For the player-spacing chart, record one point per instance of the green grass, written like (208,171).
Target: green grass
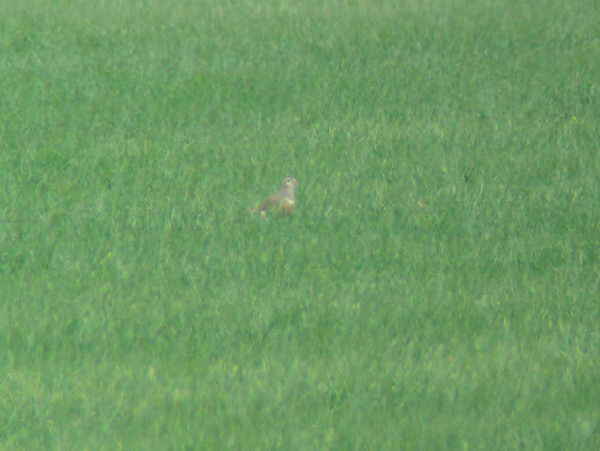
(437,287)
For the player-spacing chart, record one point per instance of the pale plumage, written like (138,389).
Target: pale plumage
(283,201)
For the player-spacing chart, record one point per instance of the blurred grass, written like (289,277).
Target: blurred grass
(436,288)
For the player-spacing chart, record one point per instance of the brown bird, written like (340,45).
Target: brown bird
(283,200)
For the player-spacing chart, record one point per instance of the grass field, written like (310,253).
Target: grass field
(437,287)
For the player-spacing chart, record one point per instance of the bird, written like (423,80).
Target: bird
(283,200)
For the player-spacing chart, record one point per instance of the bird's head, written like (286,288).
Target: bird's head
(289,182)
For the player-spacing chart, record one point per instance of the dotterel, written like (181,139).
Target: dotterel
(284,200)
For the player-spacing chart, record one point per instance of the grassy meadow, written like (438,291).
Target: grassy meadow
(436,288)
